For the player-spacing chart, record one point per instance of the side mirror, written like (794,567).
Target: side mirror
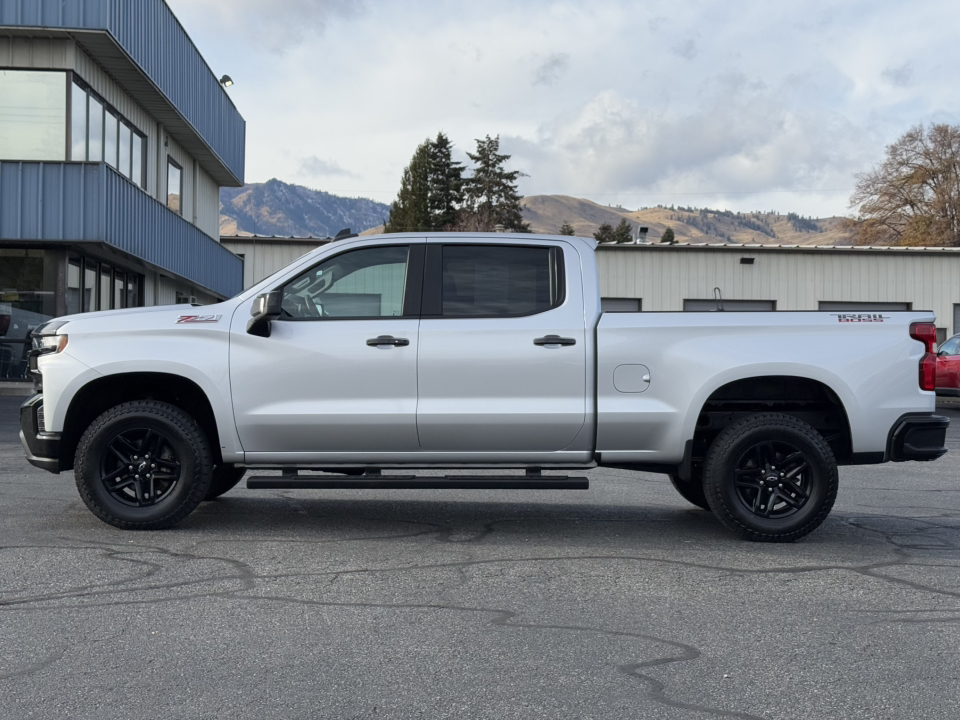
(265,308)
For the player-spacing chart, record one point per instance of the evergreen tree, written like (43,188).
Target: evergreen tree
(623,233)
(491,196)
(604,233)
(668,237)
(410,212)
(566,229)
(445,185)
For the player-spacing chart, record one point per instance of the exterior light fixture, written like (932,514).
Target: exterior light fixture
(226,81)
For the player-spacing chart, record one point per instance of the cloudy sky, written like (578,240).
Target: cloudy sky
(744,105)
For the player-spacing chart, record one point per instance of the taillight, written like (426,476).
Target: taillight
(927,334)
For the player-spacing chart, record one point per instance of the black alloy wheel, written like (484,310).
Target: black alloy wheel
(140,467)
(773,479)
(770,477)
(143,465)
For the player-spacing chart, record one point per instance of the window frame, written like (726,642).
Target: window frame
(432,302)
(136,135)
(67,119)
(179,167)
(413,287)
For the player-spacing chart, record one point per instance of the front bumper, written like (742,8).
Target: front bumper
(918,437)
(42,448)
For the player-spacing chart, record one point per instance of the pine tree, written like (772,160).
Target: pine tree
(445,185)
(623,233)
(604,233)
(566,228)
(491,196)
(410,212)
(668,237)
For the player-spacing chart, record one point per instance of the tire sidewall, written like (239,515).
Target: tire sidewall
(720,483)
(95,443)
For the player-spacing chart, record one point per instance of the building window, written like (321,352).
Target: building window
(94,132)
(28,285)
(844,306)
(732,305)
(110,139)
(100,133)
(621,305)
(78,122)
(89,291)
(33,115)
(174,186)
(104,288)
(96,286)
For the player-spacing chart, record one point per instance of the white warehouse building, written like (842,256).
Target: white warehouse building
(653,277)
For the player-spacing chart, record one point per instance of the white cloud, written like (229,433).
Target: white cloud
(314,167)
(598,98)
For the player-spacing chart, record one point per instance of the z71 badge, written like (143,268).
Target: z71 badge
(860,317)
(184,319)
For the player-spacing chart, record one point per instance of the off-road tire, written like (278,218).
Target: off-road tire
(225,478)
(184,440)
(730,499)
(691,490)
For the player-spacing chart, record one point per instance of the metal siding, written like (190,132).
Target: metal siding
(795,279)
(262,258)
(165,54)
(90,202)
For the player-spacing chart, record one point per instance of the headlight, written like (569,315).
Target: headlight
(50,344)
(46,340)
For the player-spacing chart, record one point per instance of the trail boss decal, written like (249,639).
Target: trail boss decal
(192,319)
(860,317)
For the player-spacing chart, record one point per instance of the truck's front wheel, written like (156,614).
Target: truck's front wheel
(143,465)
(770,477)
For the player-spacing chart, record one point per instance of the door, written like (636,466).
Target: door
(338,373)
(502,349)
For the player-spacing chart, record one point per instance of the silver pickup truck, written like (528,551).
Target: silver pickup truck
(474,351)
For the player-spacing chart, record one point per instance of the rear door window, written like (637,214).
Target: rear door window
(499,281)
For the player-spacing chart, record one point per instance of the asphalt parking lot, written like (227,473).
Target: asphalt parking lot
(619,602)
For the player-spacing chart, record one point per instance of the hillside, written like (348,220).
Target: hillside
(547,213)
(278,208)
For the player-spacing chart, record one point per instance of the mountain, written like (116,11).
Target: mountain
(547,213)
(278,208)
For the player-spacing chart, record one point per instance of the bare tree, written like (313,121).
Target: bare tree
(913,196)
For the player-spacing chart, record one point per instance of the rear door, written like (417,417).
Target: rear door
(502,363)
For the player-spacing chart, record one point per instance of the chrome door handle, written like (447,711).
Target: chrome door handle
(554,340)
(387,340)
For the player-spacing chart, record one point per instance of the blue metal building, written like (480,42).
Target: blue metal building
(115,139)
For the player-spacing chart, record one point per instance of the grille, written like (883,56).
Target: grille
(40,417)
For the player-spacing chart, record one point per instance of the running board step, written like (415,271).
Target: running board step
(412,482)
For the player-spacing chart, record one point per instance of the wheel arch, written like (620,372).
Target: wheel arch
(807,398)
(105,392)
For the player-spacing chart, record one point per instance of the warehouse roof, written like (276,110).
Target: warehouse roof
(911,249)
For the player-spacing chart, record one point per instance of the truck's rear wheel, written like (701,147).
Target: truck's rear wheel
(143,465)
(691,490)
(770,477)
(225,478)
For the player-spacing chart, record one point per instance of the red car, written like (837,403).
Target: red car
(948,368)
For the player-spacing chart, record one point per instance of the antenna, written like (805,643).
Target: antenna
(718,297)
(344,234)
